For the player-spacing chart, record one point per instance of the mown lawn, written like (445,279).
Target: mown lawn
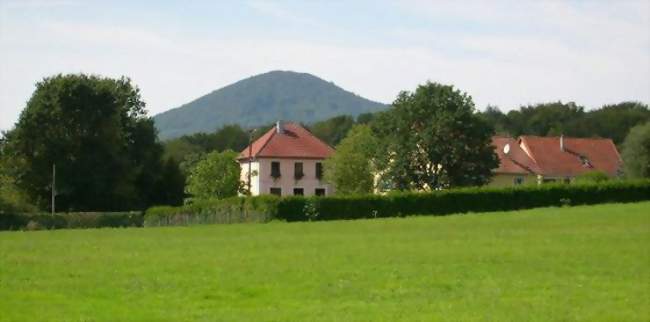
(587,263)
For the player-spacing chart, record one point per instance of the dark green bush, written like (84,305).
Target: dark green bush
(265,208)
(15,221)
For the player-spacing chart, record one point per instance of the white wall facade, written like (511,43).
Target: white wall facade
(262,182)
(255,182)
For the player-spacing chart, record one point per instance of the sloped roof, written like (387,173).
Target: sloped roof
(293,142)
(580,155)
(516,161)
(543,155)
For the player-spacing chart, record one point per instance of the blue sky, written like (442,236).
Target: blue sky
(504,53)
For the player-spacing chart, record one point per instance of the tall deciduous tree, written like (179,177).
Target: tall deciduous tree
(333,130)
(97,133)
(216,176)
(432,138)
(351,167)
(636,152)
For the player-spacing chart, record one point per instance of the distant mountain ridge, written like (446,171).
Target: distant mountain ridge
(263,99)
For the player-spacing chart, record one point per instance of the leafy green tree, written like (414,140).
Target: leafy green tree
(432,138)
(216,176)
(365,118)
(170,189)
(11,198)
(350,169)
(188,149)
(179,149)
(97,133)
(231,137)
(544,119)
(333,130)
(636,152)
(555,118)
(614,121)
(499,121)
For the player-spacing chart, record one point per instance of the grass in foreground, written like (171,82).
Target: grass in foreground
(569,264)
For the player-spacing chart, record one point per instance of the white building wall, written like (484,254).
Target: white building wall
(287,181)
(255,178)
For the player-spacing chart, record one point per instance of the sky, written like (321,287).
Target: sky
(503,53)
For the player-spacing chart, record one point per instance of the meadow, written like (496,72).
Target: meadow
(586,263)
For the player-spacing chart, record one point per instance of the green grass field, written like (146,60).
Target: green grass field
(588,263)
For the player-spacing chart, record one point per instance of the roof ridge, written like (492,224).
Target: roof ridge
(265,143)
(565,137)
(527,150)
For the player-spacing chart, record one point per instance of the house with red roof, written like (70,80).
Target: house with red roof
(286,161)
(535,159)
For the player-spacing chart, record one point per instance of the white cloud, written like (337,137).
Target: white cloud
(554,51)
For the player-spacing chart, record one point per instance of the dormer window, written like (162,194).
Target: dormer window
(275,169)
(585,162)
(297,171)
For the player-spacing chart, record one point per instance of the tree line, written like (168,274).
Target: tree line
(96,133)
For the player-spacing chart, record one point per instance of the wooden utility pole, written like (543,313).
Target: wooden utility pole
(53,187)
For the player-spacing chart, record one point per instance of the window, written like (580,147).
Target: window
(320,192)
(518,181)
(567,180)
(297,171)
(275,169)
(298,191)
(276,191)
(319,170)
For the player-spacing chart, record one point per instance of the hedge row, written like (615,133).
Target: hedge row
(225,211)
(265,208)
(36,221)
(462,200)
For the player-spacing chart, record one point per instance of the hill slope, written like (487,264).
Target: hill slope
(263,99)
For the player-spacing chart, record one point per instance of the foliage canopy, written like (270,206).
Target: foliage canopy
(636,152)
(216,176)
(432,138)
(95,130)
(351,168)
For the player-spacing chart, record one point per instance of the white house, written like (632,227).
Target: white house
(286,161)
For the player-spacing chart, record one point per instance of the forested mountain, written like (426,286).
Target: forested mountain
(263,99)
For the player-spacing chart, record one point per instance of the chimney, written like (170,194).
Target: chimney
(562,142)
(278,127)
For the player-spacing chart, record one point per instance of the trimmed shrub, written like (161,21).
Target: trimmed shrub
(592,176)
(266,208)
(31,221)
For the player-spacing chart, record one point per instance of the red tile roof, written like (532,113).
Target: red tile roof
(544,156)
(579,155)
(293,142)
(516,161)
